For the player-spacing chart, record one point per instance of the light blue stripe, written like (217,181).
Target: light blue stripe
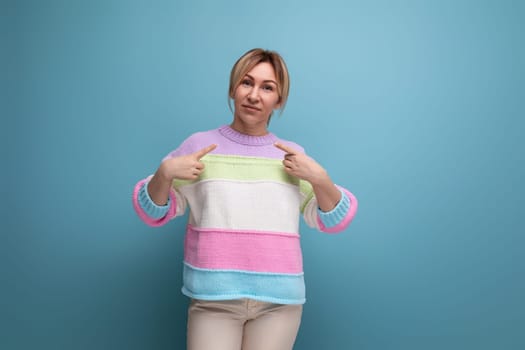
(335,216)
(153,210)
(228,284)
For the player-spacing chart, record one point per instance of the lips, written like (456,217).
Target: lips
(252,108)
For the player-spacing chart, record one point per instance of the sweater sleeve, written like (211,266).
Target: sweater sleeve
(151,213)
(334,217)
(334,221)
(151,208)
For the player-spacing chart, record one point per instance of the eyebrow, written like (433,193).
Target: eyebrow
(264,81)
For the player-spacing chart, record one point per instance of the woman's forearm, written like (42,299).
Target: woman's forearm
(159,187)
(327,194)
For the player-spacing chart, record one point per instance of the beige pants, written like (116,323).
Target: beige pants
(242,324)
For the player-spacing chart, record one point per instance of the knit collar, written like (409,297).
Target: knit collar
(244,139)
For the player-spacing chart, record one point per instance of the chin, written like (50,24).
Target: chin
(248,118)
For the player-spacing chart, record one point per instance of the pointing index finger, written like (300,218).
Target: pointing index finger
(284,148)
(201,153)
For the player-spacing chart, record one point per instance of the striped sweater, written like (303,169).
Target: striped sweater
(242,237)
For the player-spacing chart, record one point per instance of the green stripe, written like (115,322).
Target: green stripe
(241,168)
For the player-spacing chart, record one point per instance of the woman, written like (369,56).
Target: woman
(245,189)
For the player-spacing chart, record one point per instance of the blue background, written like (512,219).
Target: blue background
(415,106)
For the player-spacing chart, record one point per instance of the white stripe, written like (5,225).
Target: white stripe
(244,205)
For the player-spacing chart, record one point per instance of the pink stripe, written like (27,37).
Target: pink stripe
(347,219)
(142,214)
(243,250)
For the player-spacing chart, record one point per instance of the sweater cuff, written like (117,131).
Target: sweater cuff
(153,210)
(335,216)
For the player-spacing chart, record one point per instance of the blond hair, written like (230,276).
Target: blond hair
(252,58)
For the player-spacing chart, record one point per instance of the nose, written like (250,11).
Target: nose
(253,95)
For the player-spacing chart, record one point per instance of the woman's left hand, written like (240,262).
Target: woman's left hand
(302,166)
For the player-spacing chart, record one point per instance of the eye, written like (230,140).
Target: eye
(267,87)
(246,82)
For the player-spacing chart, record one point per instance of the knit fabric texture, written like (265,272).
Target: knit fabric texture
(152,209)
(242,237)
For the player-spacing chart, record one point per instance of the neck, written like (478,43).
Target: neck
(251,130)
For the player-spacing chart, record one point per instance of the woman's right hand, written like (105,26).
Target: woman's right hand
(187,167)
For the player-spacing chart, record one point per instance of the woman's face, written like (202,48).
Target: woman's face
(255,99)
